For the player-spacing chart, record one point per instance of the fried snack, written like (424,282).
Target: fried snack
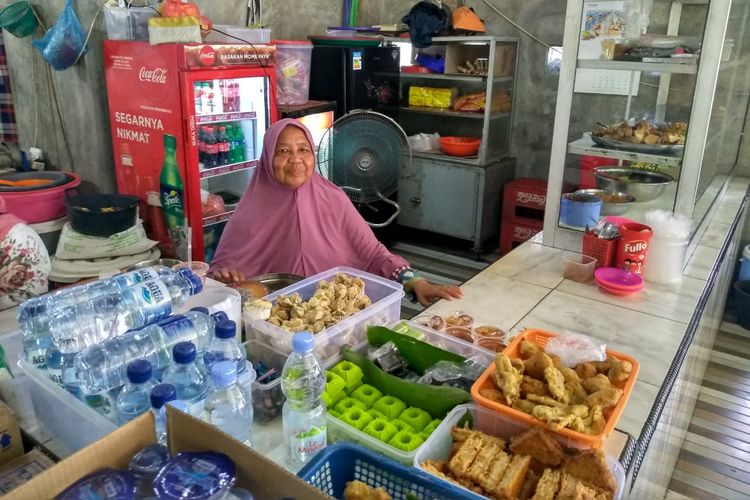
(493,395)
(595,384)
(540,445)
(548,484)
(546,400)
(536,365)
(620,371)
(606,398)
(556,383)
(590,467)
(533,386)
(461,434)
(569,374)
(490,448)
(595,422)
(555,360)
(524,405)
(528,349)
(512,481)
(529,485)
(604,366)
(437,468)
(510,379)
(495,473)
(557,418)
(357,490)
(462,460)
(576,392)
(571,488)
(518,365)
(586,370)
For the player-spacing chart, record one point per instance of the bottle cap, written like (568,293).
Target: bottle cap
(224,374)
(226,329)
(220,316)
(162,394)
(183,353)
(195,283)
(170,142)
(139,371)
(302,342)
(203,310)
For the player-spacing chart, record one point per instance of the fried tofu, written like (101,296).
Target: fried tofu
(576,392)
(490,449)
(604,366)
(545,400)
(460,462)
(595,422)
(597,383)
(518,365)
(590,467)
(495,472)
(528,349)
(529,485)
(461,434)
(510,379)
(572,488)
(536,365)
(569,374)
(556,383)
(533,386)
(620,372)
(548,485)
(493,395)
(606,398)
(515,475)
(538,444)
(557,418)
(437,468)
(586,370)
(524,405)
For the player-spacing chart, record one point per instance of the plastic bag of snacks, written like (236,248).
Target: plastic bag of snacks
(575,348)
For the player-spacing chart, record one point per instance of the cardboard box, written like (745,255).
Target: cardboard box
(11,446)
(256,473)
(22,469)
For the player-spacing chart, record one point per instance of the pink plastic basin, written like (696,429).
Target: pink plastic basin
(41,205)
(618,281)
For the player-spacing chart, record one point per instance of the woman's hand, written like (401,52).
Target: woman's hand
(427,293)
(229,276)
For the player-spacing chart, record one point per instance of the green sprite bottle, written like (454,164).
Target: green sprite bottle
(172,195)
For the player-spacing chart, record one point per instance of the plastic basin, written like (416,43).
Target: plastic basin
(40,205)
(459,146)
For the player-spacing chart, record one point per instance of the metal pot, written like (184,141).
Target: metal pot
(612,203)
(641,184)
(155,262)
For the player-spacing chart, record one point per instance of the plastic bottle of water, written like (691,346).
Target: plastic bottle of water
(69,375)
(55,365)
(103,367)
(76,327)
(224,347)
(134,398)
(229,407)
(304,414)
(187,376)
(145,465)
(160,396)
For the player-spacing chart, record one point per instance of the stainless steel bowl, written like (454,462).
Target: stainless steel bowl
(277,281)
(641,184)
(155,262)
(612,203)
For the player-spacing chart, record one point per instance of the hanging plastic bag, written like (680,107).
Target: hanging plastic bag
(65,41)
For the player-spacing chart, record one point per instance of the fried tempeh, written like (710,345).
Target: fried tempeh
(461,434)
(495,472)
(590,467)
(529,485)
(465,455)
(548,485)
(540,445)
(490,448)
(512,481)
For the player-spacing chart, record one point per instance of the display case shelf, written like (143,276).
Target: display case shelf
(585,146)
(227,169)
(224,117)
(461,114)
(217,219)
(455,78)
(687,69)
(438,155)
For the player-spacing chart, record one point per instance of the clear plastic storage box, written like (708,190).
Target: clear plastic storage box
(267,396)
(385,310)
(438,446)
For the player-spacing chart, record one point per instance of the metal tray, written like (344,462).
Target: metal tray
(654,149)
(277,281)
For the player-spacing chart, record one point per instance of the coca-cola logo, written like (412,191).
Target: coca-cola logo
(532,198)
(635,246)
(156,75)
(207,56)
(523,233)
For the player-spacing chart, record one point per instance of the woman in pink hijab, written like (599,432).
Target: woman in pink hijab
(24,261)
(292,220)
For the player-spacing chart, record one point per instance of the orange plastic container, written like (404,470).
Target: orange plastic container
(540,338)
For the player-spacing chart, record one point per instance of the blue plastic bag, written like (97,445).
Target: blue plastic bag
(64,41)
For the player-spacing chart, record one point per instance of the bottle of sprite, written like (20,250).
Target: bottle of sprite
(172,195)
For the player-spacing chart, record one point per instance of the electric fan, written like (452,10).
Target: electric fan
(362,153)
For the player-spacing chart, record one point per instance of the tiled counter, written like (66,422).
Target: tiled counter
(669,328)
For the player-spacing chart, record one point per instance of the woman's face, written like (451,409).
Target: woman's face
(293,160)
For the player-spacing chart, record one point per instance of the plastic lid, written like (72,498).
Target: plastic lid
(195,475)
(226,329)
(149,461)
(302,342)
(105,483)
(224,374)
(183,353)
(195,282)
(139,371)
(220,316)
(162,394)
(203,310)
(291,42)
(170,142)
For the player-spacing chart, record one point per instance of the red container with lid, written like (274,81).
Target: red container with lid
(632,247)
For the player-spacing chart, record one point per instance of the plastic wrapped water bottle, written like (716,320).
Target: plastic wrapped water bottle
(224,347)
(160,396)
(229,407)
(76,327)
(103,367)
(304,414)
(189,377)
(134,399)
(34,314)
(55,365)
(69,375)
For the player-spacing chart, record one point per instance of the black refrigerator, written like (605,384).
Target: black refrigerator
(356,78)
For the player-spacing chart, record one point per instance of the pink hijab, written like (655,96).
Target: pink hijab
(303,231)
(7,220)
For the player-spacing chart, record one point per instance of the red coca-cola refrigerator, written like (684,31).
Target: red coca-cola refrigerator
(217,100)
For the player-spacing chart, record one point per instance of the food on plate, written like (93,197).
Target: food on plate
(644,133)
(534,465)
(332,302)
(357,490)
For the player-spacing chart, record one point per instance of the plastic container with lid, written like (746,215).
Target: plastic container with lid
(195,475)
(293,61)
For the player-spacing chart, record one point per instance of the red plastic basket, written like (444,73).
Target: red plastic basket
(600,249)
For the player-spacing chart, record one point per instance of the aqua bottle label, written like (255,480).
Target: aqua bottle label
(156,302)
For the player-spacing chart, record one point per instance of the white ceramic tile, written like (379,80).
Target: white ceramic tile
(651,340)
(700,263)
(675,302)
(493,300)
(531,263)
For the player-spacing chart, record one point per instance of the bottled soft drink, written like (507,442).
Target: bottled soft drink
(223,146)
(198,98)
(134,398)
(55,365)
(225,347)
(172,194)
(156,229)
(304,414)
(225,96)
(240,144)
(229,407)
(236,96)
(159,397)
(102,367)
(201,147)
(77,327)
(212,148)
(207,98)
(189,377)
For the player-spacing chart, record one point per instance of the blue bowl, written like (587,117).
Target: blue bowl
(580,210)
